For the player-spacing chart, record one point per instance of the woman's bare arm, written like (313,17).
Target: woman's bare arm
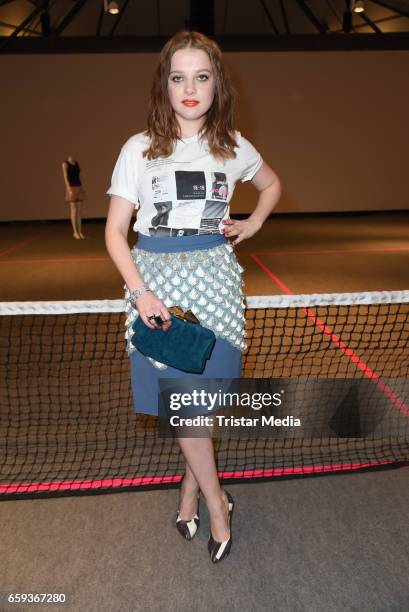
(116,232)
(269,187)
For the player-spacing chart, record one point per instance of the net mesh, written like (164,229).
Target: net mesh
(67,418)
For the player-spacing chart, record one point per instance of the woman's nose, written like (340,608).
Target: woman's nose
(190,86)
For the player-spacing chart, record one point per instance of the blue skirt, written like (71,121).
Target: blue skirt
(226,357)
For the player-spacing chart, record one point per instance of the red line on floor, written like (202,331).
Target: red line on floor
(341,345)
(22,243)
(60,260)
(329,251)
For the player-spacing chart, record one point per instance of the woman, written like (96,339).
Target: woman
(181,174)
(74,193)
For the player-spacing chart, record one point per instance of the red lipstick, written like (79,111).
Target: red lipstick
(190,102)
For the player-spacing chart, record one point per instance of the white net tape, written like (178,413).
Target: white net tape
(255,301)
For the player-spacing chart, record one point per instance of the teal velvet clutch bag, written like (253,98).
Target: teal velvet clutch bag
(186,345)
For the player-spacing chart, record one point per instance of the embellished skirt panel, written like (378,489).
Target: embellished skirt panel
(205,277)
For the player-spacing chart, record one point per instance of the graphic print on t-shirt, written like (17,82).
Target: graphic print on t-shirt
(199,179)
(162,216)
(219,186)
(171,231)
(181,205)
(211,217)
(190,185)
(161,186)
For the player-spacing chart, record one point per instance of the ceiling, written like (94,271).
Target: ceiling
(83,25)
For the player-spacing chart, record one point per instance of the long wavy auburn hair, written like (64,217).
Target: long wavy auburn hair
(163,128)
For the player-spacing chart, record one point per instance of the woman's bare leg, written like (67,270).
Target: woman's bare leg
(188,495)
(199,455)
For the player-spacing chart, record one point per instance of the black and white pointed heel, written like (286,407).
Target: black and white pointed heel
(220,550)
(188,528)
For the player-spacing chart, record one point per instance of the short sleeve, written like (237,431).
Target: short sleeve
(125,175)
(250,159)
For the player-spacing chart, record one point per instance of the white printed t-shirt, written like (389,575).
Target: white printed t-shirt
(186,193)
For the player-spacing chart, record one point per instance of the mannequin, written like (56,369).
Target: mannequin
(74,193)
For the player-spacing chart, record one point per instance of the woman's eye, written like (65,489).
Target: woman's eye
(202,77)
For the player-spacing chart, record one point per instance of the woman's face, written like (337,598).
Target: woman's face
(191,79)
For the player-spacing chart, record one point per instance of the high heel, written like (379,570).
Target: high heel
(188,528)
(220,550)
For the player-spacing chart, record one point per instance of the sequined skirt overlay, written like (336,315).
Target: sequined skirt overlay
(207,281)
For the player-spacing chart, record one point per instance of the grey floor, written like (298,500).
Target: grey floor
(320,544)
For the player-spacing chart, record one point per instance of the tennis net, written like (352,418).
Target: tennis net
(67,420)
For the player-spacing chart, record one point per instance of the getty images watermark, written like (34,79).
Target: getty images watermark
(297,407)
(229,406)
(205,400)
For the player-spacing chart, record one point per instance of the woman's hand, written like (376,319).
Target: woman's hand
(242,229)
(149,304)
